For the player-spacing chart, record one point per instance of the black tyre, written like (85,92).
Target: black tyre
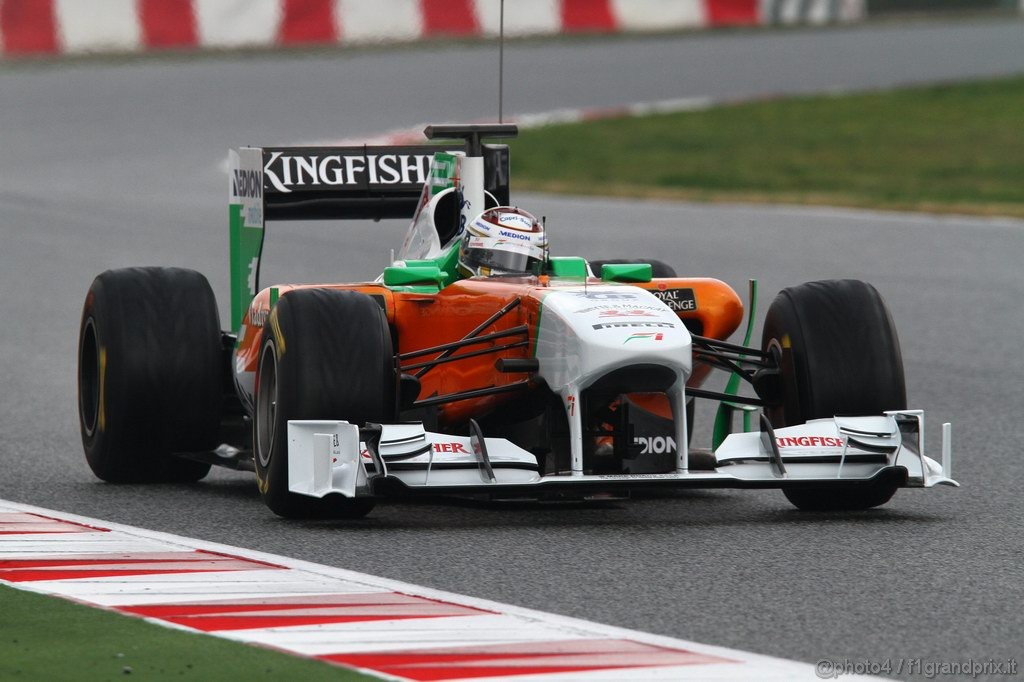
(325,354)
(149,374)
(840,356)
(658,268)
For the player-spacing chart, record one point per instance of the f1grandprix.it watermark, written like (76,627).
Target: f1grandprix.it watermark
(830,669)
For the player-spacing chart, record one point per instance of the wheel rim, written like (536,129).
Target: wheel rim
(266,404)
(89,378)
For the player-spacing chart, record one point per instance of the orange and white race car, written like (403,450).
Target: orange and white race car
(477,364)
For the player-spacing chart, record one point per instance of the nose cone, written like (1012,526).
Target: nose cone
(586,332)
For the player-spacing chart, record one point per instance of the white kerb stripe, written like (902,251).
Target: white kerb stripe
(371,21)
(97,26)
(237,23)
(522,17)
(658,15)
(389,635)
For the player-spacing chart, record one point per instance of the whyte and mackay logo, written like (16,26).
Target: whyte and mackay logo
(286,173)
(258,316)
(628,312)
(605,296)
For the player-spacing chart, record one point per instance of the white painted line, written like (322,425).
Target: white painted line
(907,218)
(389,628)
(414,134)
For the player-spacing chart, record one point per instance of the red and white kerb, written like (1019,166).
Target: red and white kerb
(390,629)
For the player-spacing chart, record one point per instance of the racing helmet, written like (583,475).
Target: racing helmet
(504,240)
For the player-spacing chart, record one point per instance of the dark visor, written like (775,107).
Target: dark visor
(494,259)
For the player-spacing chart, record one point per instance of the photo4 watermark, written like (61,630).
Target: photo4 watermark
(831,669)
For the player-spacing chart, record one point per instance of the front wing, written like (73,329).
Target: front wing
(328,457)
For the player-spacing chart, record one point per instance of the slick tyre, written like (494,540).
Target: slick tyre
(324,354)
(840,356)
(658,268)
(149,374)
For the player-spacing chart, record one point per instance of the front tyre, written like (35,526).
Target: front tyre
(324,354)
(149,374)
(840,356)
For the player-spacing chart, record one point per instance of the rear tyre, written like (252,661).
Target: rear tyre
(149,374)
(324,354)
(658,268)
(840,356)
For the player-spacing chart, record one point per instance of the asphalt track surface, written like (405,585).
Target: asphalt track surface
(109,164)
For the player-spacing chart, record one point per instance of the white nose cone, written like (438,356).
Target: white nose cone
(586,332)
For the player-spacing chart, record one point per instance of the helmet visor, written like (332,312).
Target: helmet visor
(501,260)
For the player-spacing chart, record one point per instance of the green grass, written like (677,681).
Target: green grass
(949,148)
(46,638)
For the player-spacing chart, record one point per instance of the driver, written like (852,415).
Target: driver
(502,241)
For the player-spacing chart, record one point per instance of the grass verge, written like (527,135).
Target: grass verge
(956,148)
(47,638)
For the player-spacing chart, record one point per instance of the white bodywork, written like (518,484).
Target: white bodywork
(585,332)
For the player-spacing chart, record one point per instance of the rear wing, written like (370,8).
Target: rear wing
(327,183)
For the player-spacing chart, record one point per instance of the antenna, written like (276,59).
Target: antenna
(501,60)
(547,249)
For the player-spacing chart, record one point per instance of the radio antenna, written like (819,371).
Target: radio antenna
(501,60)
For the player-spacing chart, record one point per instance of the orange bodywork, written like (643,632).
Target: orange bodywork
(425,320)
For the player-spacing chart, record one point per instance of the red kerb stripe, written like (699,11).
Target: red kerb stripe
(587,15)
(23,523)
(732,12)
(28,26)
(527,658)
(43,575)
(307,21)
(449,17)
(167,23)
(221,623)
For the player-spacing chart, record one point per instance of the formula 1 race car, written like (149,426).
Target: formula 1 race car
(573,380)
